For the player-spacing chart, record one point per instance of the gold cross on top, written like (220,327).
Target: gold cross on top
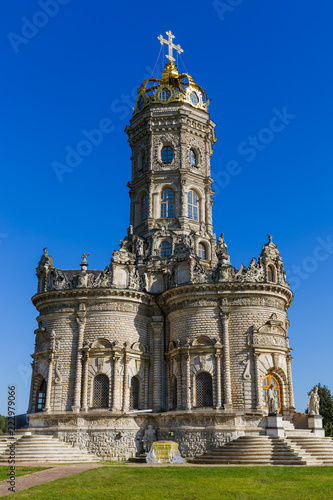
(171,45)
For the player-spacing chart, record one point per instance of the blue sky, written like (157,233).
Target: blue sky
(82,64)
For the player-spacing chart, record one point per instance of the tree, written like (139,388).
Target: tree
(3,424)
(325,408)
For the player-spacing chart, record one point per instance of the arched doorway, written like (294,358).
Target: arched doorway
(41,396)
(204,389)
(134,393)
(267,382)
(101,391)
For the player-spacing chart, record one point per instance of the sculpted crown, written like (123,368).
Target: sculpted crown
(172,86)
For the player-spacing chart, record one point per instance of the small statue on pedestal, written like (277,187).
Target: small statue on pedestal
(314,399)
(272,404)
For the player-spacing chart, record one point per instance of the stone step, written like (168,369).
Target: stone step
(265,449)
(252,461)
(47,449)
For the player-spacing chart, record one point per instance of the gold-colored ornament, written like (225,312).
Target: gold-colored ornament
(170,44)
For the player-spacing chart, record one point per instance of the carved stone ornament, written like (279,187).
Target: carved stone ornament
(247,371)
(58,375)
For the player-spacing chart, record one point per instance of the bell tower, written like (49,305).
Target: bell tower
(172,137)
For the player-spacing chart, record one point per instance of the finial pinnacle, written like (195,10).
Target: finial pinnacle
(170,44)
(270,238)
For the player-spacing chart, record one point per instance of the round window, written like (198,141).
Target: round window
(194,98)
(165,95)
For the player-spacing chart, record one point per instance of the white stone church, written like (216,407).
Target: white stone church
(170,334)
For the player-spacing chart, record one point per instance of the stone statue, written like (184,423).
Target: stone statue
(272,404)
(314,399)
(148,438)
(84,259)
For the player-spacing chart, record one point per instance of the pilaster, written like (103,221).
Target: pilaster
(226,359)
(81,322)
(157,329)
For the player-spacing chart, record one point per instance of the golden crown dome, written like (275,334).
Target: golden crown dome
(172,86)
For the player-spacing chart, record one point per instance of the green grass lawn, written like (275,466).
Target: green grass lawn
(191,483)
(20,471)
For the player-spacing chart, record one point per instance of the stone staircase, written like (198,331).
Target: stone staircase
(260,450)
(43,448)
(320,448)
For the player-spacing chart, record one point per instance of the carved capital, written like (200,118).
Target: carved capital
(224,315)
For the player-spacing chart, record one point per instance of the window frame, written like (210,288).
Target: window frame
(167,205)
(104,377)
(194,160)
(202,250)
(165,248)
(207,398)
(41,396)
(144,208)
(193,206)
(134,397)
(168,157)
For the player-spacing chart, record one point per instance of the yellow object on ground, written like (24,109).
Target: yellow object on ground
(163,452)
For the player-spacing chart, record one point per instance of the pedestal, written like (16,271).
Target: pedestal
(315,423)
(274,426)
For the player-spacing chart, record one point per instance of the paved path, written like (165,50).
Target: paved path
(45,476)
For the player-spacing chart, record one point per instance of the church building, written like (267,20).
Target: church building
(169,334)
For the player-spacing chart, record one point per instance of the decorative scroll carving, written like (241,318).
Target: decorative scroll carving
(269,340)
(247,371)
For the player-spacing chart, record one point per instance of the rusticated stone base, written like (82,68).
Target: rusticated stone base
(119,437)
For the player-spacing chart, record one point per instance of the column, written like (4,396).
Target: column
(32,397)
(150,200)
(188,381)
(125,384)
(115,384)
(183,211)
(157,327)
(257,381)
(179,384)
(169,375)
(226,360)
(218,378)
(85,382)
(290,382)
(146,394)
(81,321)
(49,385)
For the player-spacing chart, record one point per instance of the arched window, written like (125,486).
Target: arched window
(267,382)
(192,205)
(101,391)
(41,396)
(192,157)
(202,251)
(165,94)
(144,207)
(165,249)
(167,202)
(270,273)
(174,393)
(204,389)
(167,154)
(134,393)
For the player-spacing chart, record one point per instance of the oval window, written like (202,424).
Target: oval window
(194,98)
